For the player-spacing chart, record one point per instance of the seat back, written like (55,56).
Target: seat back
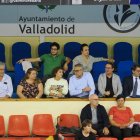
(44,48)
(72,49)
(134,2)
(8,139)
(69,120)
(31,138)
(43,125)
(18,125)
(2,126)
(137,117)
(98,49)
(2,52)
(124,69)
(132,138)
(20,50)
(97,69)
(69,138)
(122,52)
(107,138)
(19,74)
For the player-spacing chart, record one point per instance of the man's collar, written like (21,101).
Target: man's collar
(135,77)
(54,55)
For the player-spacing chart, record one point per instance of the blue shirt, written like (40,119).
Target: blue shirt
(77,84)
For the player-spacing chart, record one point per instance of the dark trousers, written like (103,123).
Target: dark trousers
(99,129)
(120,133)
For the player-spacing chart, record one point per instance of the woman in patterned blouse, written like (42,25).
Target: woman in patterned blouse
(30,86)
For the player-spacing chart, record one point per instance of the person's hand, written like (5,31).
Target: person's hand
(111,60)
(51,94)
(123,126)
(60,90)
(20,61)
(107,93)
(59,95)
(7,96)
(52,88)
(61,137)
(65,67)
(86,89)
(94,131)
(105,131)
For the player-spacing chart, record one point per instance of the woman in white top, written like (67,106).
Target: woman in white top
(56,86)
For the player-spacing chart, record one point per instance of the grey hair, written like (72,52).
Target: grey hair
(79,65)
(2,63)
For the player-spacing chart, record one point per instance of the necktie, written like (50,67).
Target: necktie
(135,88)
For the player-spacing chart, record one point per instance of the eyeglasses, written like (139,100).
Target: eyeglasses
(54,49)
(77,70)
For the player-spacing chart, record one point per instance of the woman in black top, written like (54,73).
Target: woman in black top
(85,132)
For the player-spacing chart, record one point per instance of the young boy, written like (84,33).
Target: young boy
(85,132)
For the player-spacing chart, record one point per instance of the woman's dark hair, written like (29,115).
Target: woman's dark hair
(82,46)
(37,80)
(56,45)
(86,122)
(120,96)
(56,70)
(111,64)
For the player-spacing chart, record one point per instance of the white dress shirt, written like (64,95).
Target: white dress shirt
(6,87)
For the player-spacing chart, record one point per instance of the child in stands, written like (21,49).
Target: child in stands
(85,132)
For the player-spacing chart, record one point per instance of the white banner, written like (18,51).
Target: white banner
(65,29)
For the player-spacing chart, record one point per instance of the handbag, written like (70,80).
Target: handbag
(66,130)
(136,129)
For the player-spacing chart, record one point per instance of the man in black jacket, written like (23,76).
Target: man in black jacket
(131,84)
(97,114)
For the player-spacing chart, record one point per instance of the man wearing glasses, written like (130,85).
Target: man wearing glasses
(51,61)
(6,87)
(81,84)
(97,114)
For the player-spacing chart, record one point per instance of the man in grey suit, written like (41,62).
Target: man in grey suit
(109,84)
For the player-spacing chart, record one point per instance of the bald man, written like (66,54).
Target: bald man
(97,114)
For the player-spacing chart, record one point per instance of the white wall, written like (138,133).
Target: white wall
(31,107)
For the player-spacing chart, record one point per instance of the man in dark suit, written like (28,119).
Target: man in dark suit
(131,84)
(97,114)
